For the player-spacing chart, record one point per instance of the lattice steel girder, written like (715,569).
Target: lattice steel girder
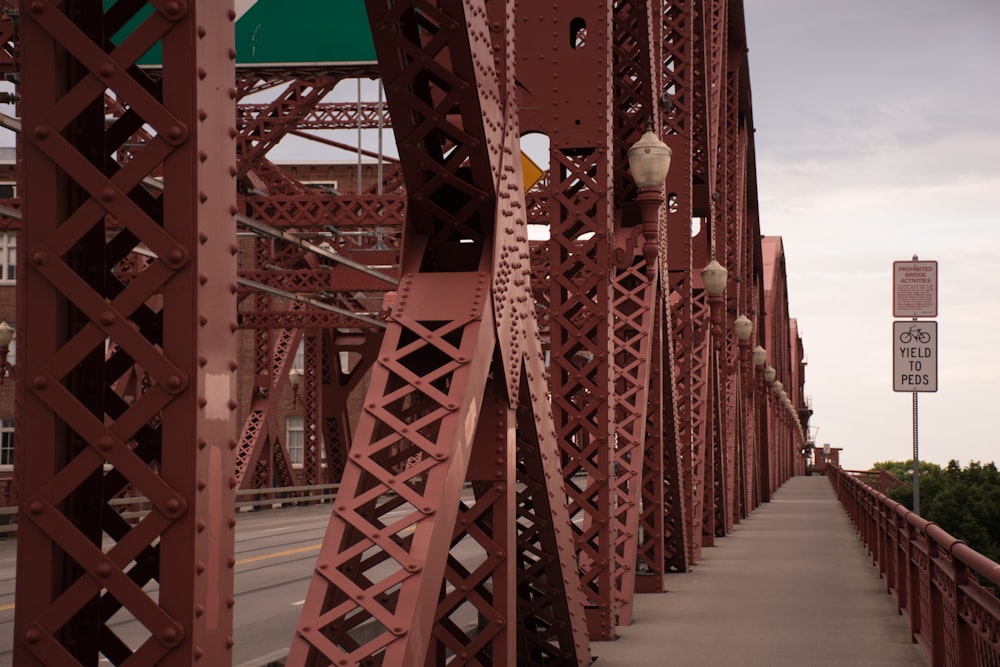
(424,430)
(634,295)
(569,92)
(172,443)
(315,281)
(260,132)
(333,115)
(347,212)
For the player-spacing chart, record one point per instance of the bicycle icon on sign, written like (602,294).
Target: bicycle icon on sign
(914,333)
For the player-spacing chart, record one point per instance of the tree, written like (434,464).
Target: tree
(964,502)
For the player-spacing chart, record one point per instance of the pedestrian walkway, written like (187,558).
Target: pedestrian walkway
(792,585)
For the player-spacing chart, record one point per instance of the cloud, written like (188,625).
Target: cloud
(878,127)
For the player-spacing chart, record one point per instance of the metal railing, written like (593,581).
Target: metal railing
(136,507)
(933,576)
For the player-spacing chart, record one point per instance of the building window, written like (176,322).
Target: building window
(294,438)
(8,257)
(7,442)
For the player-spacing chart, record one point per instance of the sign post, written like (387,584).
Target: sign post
(914,342)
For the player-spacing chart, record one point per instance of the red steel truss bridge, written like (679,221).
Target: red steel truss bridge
(617,396)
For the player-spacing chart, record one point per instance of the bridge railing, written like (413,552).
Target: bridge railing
(953,618)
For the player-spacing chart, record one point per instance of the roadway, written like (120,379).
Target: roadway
(275,552)
(792,585)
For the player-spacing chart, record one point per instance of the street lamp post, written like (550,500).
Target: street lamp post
(295,377)
(714,276)
(649,162)
(6,336)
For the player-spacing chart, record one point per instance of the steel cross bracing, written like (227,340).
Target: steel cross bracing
(434,418)
(79,561)
(661,434)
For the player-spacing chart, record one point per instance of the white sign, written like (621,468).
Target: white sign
(914,356)
(914,289)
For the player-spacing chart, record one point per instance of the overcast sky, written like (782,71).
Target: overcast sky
(878,137)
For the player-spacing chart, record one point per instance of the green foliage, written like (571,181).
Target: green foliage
(964,502)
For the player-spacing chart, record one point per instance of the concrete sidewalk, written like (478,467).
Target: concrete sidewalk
(792,585)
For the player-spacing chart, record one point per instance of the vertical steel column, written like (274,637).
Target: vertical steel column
(636,92)
(176,319)
(684,546)
(310,397)
(338,383)
(565,60)
(659,423)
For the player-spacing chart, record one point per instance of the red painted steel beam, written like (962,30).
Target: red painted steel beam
(173,442)
(331,115)
(433,419)
(636,90)
(565,61)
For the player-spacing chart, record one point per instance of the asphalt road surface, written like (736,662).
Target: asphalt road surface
(275,552)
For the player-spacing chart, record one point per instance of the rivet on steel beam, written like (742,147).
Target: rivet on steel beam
(233,482)
(202,279)
(397,630)
(233,327)
(200,526)
(175,258)
(201,485)
(202,361)
(199,568)
(36,507)
(413,567)
(231,13)
(198,653)
(231,523)
(175,134)
(37,7)
(173,10)
(105,443)
(233,93)
(232,444)
(202,401)
(106,69)
(232,53)
(230,562)
(174,507)
(202,32)
(199,610)
(203,197)
(175,384)
(40,382)
(233,248)
(232,405)
(108,194)
(32,635)
(104,570)
(233,366)
(202,114)
(230,602)
(40,132)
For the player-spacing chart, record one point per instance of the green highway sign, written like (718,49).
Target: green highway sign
(278,33)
